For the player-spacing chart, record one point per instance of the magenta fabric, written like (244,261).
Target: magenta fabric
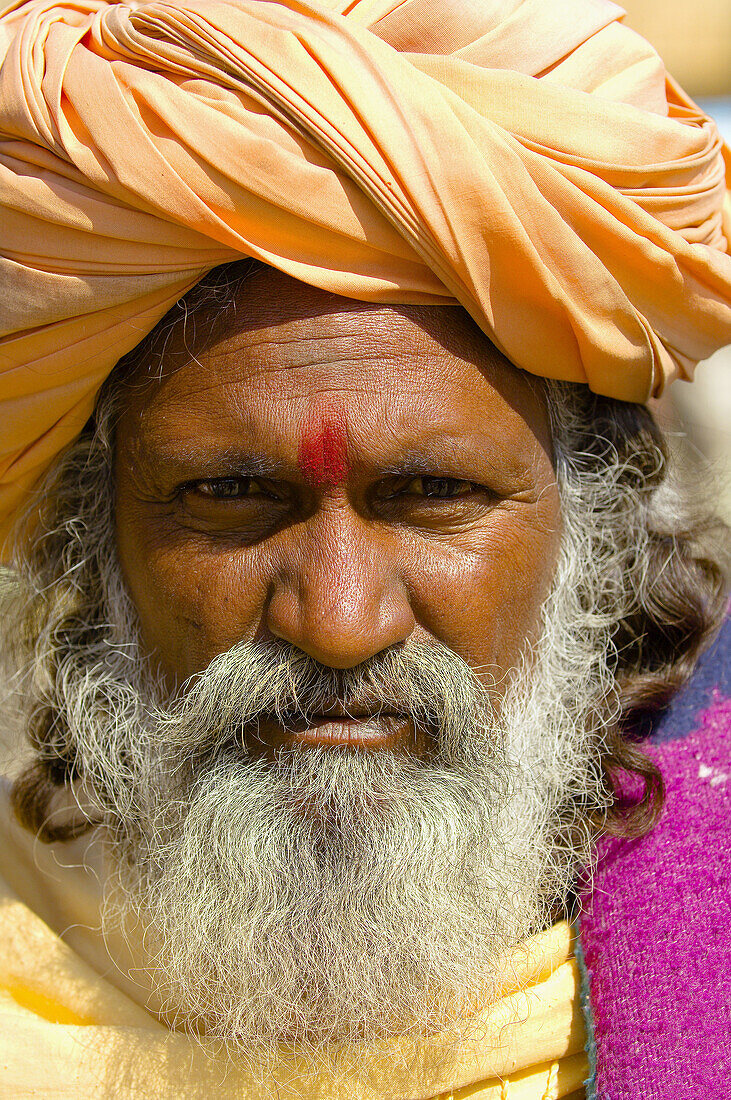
(656,933)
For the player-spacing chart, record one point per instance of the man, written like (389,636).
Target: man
(332,628)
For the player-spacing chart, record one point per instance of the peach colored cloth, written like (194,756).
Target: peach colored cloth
(525,158)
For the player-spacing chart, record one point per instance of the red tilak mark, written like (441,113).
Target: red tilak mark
(323,451)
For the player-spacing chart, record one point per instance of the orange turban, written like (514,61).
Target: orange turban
(526,159)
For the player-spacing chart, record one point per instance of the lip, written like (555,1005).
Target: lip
(374,731)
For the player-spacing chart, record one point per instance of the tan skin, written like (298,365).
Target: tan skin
(346,477)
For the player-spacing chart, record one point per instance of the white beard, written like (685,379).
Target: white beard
(329,895)
(338,896)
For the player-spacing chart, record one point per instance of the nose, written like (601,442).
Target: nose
(338,595)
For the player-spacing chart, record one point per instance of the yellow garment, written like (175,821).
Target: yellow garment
(73,1025)
(526,159)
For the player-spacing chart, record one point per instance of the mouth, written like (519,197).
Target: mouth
(380,730)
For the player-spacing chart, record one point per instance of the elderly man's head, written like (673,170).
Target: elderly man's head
(338,476)
(334,627)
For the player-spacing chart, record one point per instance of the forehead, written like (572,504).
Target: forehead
(285,354)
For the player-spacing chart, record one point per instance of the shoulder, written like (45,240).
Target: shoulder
(656,922)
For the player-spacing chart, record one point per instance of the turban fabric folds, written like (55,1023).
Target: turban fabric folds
(527,159)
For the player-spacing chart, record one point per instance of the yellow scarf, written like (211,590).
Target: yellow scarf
(72,1025)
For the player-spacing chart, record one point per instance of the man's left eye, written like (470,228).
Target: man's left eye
(439,487)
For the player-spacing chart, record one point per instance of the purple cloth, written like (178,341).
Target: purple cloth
(656,933)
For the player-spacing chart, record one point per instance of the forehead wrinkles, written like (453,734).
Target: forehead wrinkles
(278,325)
(382,361)
(327,342)
(304,370)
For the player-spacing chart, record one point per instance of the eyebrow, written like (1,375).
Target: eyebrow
(190,462)
(214,459)
(413,462)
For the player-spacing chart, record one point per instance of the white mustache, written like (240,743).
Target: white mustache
(428,683)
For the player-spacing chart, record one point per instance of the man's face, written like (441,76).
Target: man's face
(342,523)
(344,477)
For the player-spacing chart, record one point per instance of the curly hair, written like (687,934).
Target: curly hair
(660,556)
(655,578)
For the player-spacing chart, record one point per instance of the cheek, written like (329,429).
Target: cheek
(484,599)
(192,604)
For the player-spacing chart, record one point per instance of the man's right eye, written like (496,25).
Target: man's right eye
(232,488)
(226,488)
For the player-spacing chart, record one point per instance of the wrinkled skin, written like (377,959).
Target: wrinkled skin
(343,476)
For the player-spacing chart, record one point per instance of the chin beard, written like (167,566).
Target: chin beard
(333,896)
